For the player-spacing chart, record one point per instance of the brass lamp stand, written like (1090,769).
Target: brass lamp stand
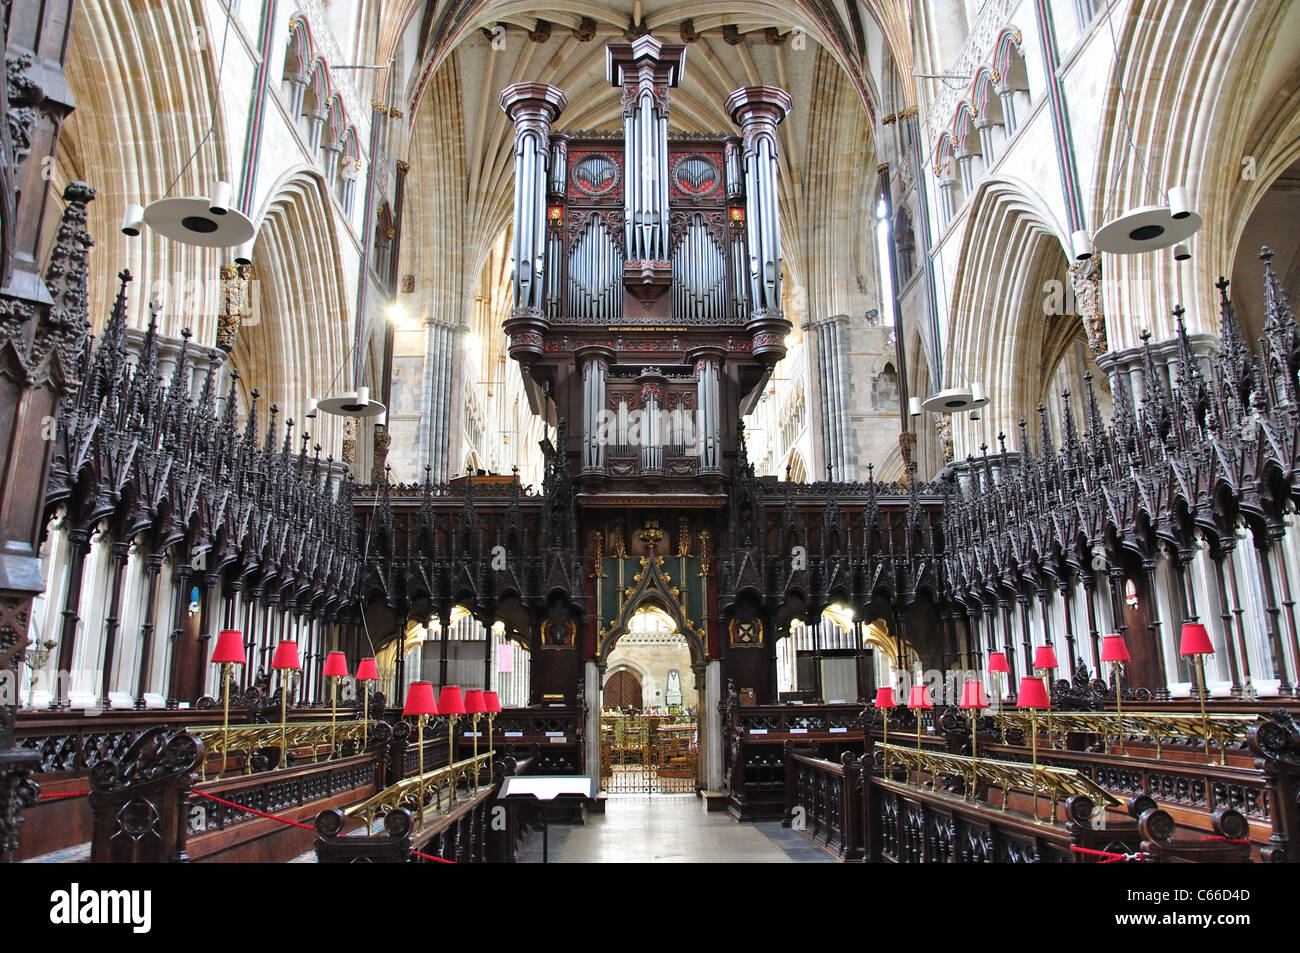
(228,653)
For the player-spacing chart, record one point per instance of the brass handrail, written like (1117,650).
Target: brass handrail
(1161,727)
(250,738)
(406,792)
(1057,784)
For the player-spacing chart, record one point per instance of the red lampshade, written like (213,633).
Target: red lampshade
(367,670)
(1033,694)
(972,695)
(1196,640)
(998,663)
(1113,649)
(491,703)
(919,698)
(286,656)
(336,666)
(230,648)
(885,697)
(419,699)
(474,702)
(450,701)
(1044,657)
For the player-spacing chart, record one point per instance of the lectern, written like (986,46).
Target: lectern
(545,789)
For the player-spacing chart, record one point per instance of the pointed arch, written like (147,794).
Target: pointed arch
(293,344)
(117,55)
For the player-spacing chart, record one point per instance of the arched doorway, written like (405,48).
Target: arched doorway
(623,691)
(649,706)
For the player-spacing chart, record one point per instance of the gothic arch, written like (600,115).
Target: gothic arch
(653,587)
(293,345)
(146,56)
(1192,127)
(999,332)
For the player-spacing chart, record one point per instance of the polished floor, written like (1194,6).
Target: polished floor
(669,829)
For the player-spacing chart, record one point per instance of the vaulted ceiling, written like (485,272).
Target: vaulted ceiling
(461,143)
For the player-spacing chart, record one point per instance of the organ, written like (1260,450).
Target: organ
(647,272)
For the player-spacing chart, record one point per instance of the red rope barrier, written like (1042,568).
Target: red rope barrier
(1111,856)
(285,820)
(441,860)
(50,797)
(250,810)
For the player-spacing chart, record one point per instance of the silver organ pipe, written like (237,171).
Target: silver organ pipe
(532,107)
(645,69)
(699,274)
(661,181)
(554,253)
(595,287)
(759,110)
(739,271)
(559,165)
(734,179)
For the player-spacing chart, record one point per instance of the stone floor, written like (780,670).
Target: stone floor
(671,829)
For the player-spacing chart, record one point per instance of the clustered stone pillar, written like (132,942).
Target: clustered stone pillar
(832,380)
(439,358)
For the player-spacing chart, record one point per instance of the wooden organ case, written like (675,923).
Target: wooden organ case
(647,278)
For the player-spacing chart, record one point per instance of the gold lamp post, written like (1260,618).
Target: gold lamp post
(1114,650)
(229,652)
(367,671)
(1033,695)
(998,666)
(474,708)
(885,702)
(285,660)
(1045,661)
(492,707)
(336,667)
(451,703)
(973,699)
(419,702)
(919,701)
(1196,641)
